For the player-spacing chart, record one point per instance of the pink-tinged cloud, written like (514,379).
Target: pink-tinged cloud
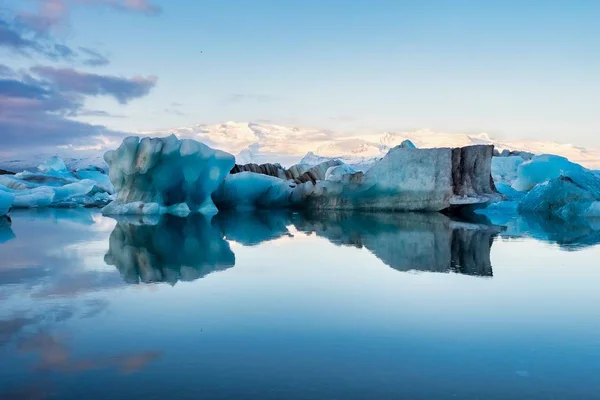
(135,6)
(50,14)
(35,108)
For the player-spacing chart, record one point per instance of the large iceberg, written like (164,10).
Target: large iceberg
(165,175)
(406,179)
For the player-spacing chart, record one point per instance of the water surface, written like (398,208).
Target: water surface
(275,305)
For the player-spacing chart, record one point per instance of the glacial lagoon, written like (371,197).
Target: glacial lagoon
(288,305)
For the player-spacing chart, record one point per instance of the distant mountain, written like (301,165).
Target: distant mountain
(265,142)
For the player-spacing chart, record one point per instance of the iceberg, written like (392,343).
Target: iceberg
(249,190)
(165,175)
(406,179)
(53,185)
(409,179)
(566,197)
(505,170)
(6,201)
(543,168)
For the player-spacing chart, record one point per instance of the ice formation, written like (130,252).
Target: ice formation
(543,168)
(6,201)
(165,175)
(546,185)
(51,184)
(567,197)
(505,170)
(406,179)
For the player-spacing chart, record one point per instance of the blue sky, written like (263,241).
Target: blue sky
(514,69)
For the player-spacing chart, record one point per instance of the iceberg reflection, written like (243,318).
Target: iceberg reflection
(410,241)
(6,233)
(170,250)
(573,235)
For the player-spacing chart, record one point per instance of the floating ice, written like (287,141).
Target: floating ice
(505,170)
(566,197)
(52,185)
(542,168)
(249,190)
(165,175)
(6,201)
(406,179)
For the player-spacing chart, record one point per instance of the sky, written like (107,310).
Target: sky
(80,71)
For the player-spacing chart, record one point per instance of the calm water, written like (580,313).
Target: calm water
(290,306)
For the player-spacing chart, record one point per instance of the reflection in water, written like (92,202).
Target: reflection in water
(572,235)
(173,249)
(409,241)
(297,311)
(254,227)
(6,233)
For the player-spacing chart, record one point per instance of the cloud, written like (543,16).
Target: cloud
(135,6)
(30,33)
(13,39)
(27,40)
(50,14)
(94,59)
(96,113)
(35,107)
(254,97)
(54,13)
(71,80)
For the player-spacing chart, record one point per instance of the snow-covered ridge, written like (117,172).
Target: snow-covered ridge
(270,143)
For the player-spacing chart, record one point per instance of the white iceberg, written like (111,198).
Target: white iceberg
(505,170)
(53,185)
(165,175)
